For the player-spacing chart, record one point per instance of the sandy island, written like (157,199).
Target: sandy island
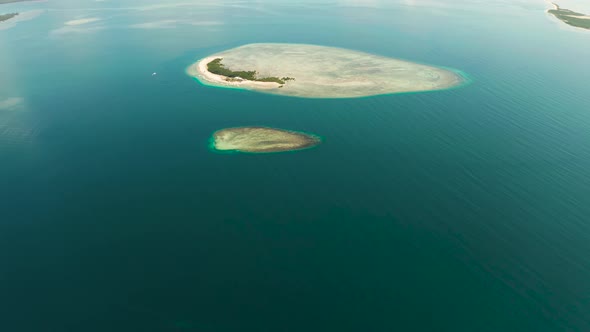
(199,69)
(323,72)
(262,140)
(570,17)
(21,17)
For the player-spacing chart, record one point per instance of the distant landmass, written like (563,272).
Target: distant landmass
(5,17)
(9,1)
(570,17)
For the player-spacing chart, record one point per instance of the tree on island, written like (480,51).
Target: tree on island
(5,17)
(217,68)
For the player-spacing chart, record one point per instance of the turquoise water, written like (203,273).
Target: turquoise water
(458,210)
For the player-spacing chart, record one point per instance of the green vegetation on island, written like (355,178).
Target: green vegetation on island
(217,68)
(570,17)
(5,17)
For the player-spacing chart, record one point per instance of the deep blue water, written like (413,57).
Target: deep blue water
(458,210)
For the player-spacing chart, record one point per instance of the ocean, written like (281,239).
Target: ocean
(459,210)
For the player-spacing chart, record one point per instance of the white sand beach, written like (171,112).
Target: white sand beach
(199,70)
(580,17)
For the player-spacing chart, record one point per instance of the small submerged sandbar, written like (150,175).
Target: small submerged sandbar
(262,140)
(320,72)
(82,21)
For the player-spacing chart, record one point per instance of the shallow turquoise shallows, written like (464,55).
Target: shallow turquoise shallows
(462,210)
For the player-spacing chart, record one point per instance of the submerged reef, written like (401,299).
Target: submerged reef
(262,140)
(319,72)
